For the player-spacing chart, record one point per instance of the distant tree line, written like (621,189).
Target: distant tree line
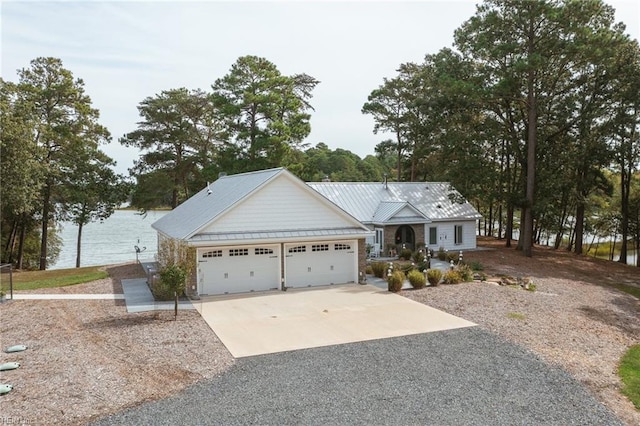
(533,115)
(252,118)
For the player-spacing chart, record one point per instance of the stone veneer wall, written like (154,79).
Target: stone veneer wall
(390,235)
(362,260)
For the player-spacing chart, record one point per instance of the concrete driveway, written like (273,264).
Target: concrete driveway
(271,322)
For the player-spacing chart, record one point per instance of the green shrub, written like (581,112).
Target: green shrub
(434,276)
(452,277)
(476,266)
(161,291)
(404,267)
(422,266)
(368,270)
(379,269)
(442,253)
(406,254)
(395,281)
(465,272)
(417,279)
(419,256)
(452,256)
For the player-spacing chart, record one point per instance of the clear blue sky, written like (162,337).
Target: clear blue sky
(126,51)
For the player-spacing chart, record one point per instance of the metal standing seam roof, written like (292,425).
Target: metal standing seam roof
(300,233)
(363,199)
(388,209)
(196,212)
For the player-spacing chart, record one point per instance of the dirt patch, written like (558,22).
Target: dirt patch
(90,358)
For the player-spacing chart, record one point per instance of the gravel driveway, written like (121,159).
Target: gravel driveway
(463,376)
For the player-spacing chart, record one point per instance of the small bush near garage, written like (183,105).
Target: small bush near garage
(378,269)
(465,271)
(442,254)
(161,291)
(395,281)
(476,266)
(406,254)
(452,277)
(417,279)
(434,276)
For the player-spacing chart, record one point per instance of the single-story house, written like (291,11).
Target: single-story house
(407,214)
(265,230)
(268,229)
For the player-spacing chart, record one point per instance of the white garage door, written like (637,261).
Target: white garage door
(320,263)
(238,269)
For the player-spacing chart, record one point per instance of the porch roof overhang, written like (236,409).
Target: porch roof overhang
(402,221)
(264,237)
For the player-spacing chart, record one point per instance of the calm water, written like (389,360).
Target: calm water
(113,240)
(110,241)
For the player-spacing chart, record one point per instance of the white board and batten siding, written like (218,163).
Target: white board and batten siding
(445,235)
(279,205)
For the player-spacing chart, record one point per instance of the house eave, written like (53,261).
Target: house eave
(271,237)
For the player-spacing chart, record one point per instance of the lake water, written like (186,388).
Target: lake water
(112,240)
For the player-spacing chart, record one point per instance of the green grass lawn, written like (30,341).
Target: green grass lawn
(629,372)
(634,291)
(30,280)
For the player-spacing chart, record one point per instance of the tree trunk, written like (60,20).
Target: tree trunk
(45,225)
(579,227)
(78,245)
(8,251)
(23,237)
(625,186)
(532,122)
(508,232)
(500,220)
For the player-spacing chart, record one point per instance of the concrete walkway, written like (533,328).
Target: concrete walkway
(138,298)
(31,296)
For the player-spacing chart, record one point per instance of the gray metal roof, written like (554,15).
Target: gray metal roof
(388,209)
(437,201)
(199,210)
(279,235)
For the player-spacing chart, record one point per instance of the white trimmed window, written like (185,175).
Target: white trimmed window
(239,252)
(298,249)
(212,253)
(260,250)
(458,234)
(342,247)
(320,247)
(433,235)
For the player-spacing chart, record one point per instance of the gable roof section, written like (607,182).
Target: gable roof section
(398,212)
(217,198)
(363,200)
(211,214)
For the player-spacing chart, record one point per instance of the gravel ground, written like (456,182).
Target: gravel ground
(90,359)
(464,376)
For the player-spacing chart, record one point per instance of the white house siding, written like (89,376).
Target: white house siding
(281,204)
(406,212)
(446,235)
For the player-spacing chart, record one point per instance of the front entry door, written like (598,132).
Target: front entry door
(405,237)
